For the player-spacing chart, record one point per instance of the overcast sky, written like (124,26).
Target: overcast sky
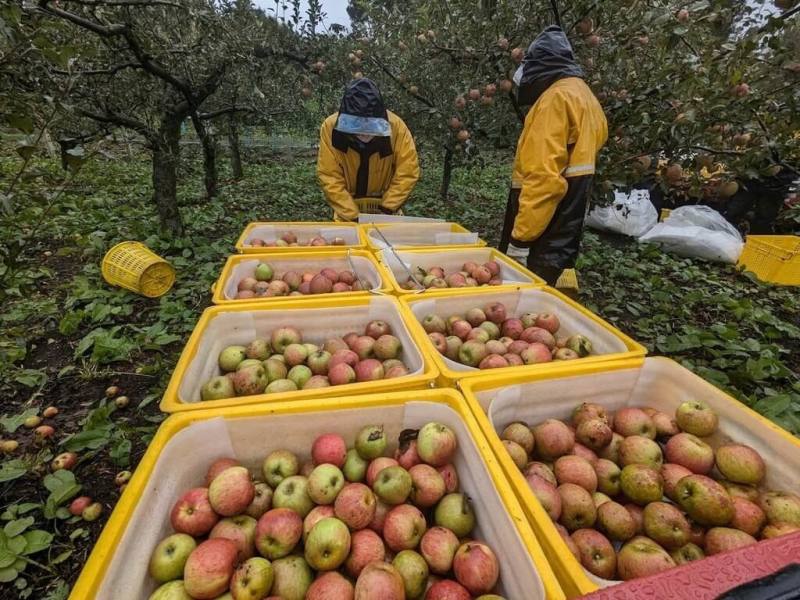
(335,9)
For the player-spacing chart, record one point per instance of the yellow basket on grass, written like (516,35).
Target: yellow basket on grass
(773,258)
(133,266)
(568,282)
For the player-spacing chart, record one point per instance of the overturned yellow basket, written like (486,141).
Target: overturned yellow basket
(133,266)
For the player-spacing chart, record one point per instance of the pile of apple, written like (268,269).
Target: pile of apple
(290,239)
(371,527)
(283,363)
(471,275)
(265,282)
(638,492)
(488,339)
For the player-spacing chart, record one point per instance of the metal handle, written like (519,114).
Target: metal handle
(420,287)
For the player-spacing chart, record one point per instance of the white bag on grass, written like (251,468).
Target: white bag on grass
(630,214)
(697,232)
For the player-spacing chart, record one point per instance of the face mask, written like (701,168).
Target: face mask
(366,139)
(518,76)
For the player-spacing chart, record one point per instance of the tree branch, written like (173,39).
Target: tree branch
(116,119)
(226,111)
(126,3)
(394,78)
(109,71)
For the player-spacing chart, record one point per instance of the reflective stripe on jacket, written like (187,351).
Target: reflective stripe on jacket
(563,133)
(390,176)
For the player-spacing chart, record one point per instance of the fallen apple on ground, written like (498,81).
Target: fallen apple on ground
(332,535)
(281,362)
(641,496)
(489,338)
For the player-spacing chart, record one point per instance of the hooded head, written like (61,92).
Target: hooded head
(363,122)
(548,59)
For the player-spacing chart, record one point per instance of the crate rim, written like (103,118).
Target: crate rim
(242,249)
(99,559)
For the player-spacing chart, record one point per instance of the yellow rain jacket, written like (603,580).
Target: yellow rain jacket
(388,173)
(556,153)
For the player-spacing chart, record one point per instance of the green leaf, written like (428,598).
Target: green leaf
(37,540)
(22,122)
(12,469)
(14,528)
(8,574)
(121,452)
(61,557)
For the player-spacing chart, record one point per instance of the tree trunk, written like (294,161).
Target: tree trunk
(447,172)
(209,156)
(233,144)
(166,153)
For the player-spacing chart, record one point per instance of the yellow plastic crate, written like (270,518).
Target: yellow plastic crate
(568,282)
(664,214)
(610,344)
(238,266)
(174,462)
(773,258)
(658,382)
(305,230)
(411,235)
(451,260)
(318,319)
(133,266)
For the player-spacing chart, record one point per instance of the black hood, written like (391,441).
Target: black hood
(362,98)
(548,59)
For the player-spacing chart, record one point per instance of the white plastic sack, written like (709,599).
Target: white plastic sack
(697,232)
(630,214)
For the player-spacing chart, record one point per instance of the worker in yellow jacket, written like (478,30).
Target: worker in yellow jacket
(555,162)
(365,153)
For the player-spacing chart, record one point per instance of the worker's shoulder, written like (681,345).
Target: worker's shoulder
(330,121)
(569,87)
(395,121)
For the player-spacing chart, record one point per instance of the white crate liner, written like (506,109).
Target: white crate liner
(660,383)
(420,234)
(315,324)
(364,269)
(450,260)
(304,233)
(518,303)
(184,460)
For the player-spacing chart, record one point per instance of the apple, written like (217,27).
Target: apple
(231,492)
(404,526)
(218,466)
(548,321)
(491,328)
(495,312)
(324,483)
(749,492)
(637,449)
(241,530)
(355,467)
(472,352)
(781,507)
(588,411)
(521,434)
(687,553)
(642,484)
(66,460)
(541,470)
(277,532)
(275,369)
(447,589)
(475,316)
(366,546)
(230,358)
(355,505)
(343,356)
(536,353)
(450,476)
(333,345)
(283,337)
(329,448)
(434,324)
(392,485)
(547,494)
(436,444)
(666,525)
(691,452)
(387,347)
(192,513)
(778,529)
(594,433)
(279,465)
(608,474)
(379,519)
(634,421)
(476,568)
(414,571)
(376,329)
(516,452)
(217,388)
(92,512)
(579,344)
(666,426)
(438,547)
(724,539)
(427,485)
(327,545)
(209,568)
(672,473)
(380,581)
(747,516)
(299,375)
(537,335)
(250,380)
(172,590)
(169,557)
(697,418)
(292,578)
(641,557)
(292,493)
(577,507)
(330,586)
(553,439)
(704,500)
(341,374)
(577,470)
(740,464)
(79,504)
(637,514)
(611,452)
(616,521)
(252,579)
(364,347)
(596,553)
(369,369)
